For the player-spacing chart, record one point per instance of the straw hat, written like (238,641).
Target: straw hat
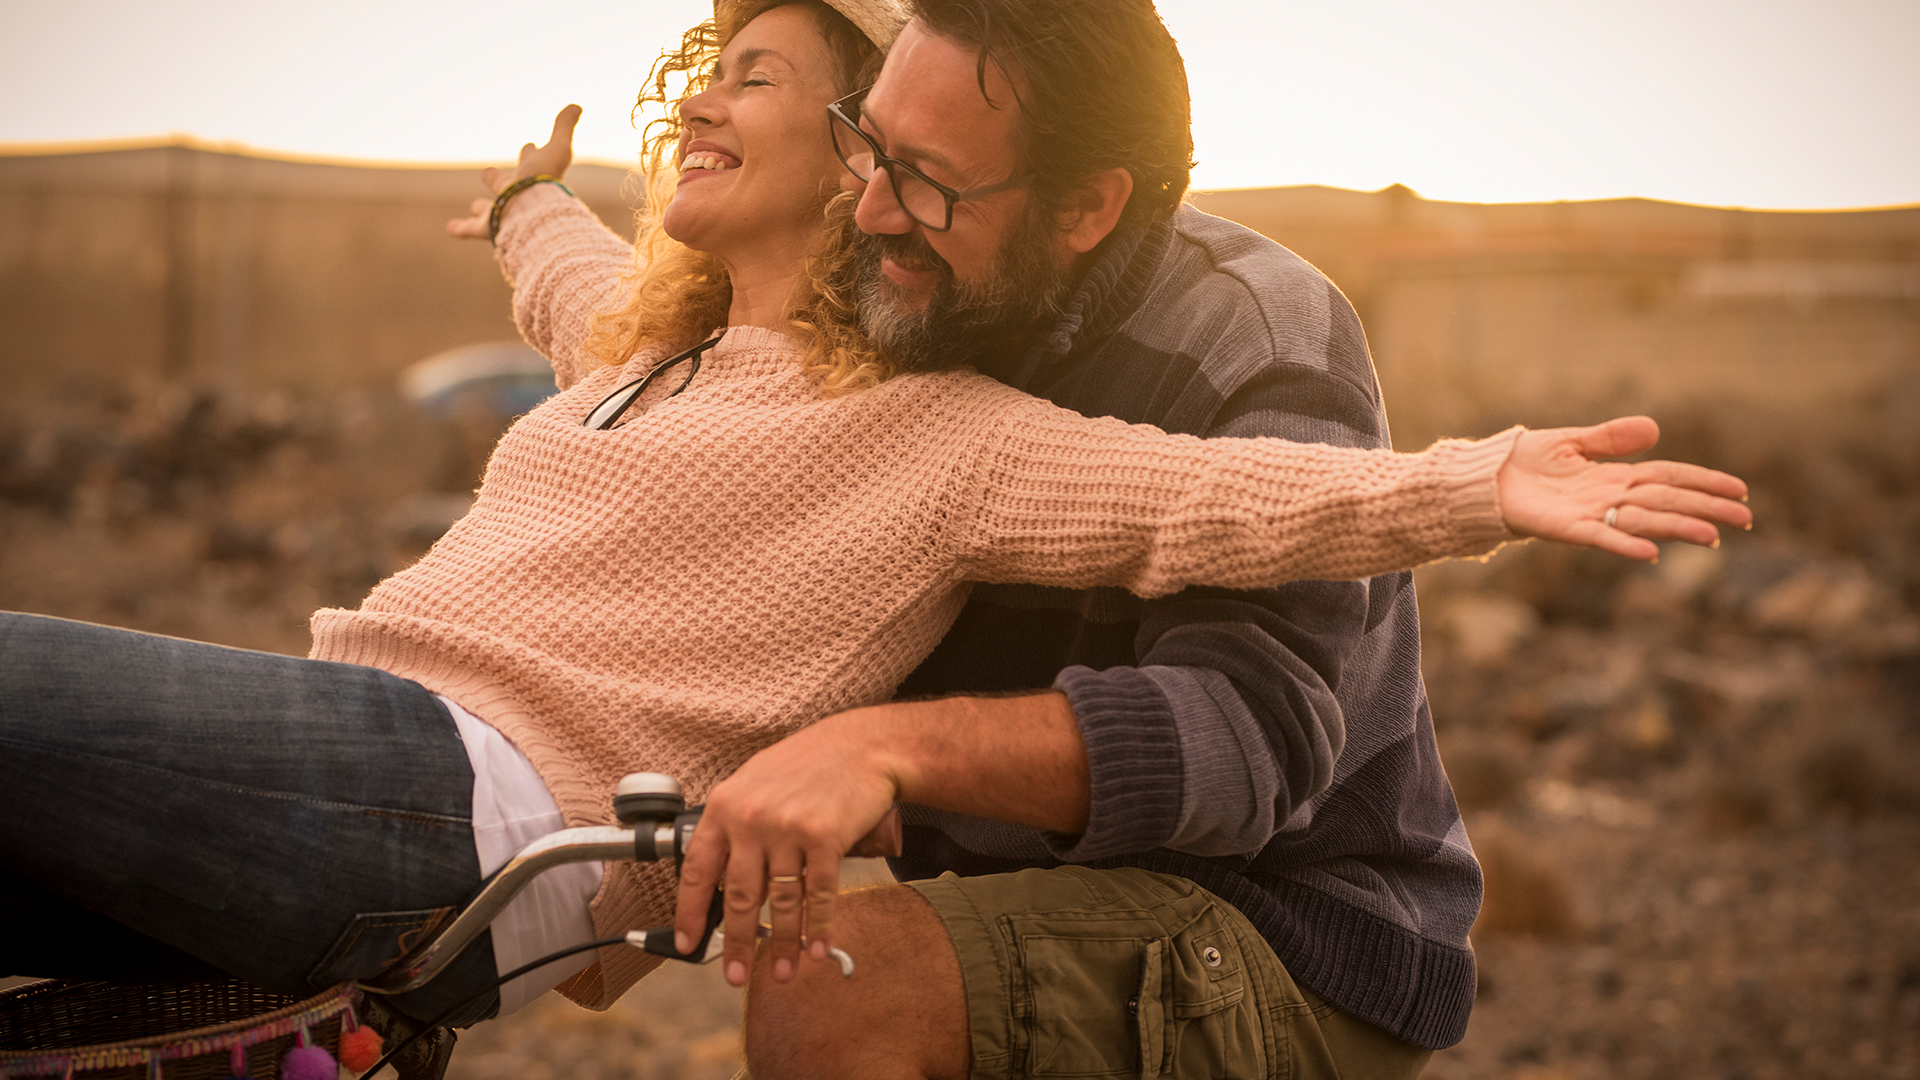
(880,20)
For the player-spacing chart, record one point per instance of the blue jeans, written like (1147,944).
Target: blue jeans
(289,821)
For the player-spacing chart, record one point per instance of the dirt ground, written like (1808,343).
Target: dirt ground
(1693,785)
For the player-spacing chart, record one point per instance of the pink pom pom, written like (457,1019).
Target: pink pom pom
(360,1048)
(309,1063)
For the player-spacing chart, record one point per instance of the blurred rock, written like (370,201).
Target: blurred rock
(1606,675)
(1785,673)
(1525,894)
(1560,799)
(1840,603)
(682,1022)
(1485,776)
(1841,777)
(1731,807)
(1486,629)
(421,518)
(1687,569)
(1529,716)
(1648,726)
(1817,599)
(1665,595)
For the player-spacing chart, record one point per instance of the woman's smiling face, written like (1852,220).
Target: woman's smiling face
(756,165)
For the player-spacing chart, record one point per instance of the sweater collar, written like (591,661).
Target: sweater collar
(1103,301)
(740,350)
(739,339)
(748,348)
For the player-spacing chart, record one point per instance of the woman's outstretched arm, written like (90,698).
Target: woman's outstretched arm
(1067,501)
(564,264)
(551,159)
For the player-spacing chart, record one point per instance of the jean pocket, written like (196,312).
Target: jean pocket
(373,942)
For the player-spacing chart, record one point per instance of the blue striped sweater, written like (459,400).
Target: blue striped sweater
(1275,747)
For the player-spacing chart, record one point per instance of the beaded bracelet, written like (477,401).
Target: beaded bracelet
(507,193)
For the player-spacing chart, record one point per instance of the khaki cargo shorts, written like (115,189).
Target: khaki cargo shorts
(1086,974)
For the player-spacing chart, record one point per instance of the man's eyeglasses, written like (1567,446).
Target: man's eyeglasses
(926,200)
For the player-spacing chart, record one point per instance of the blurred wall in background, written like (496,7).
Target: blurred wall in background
(247,273)
(1481,315)
(242,273)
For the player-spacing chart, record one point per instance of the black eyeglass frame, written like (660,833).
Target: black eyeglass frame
(837,114)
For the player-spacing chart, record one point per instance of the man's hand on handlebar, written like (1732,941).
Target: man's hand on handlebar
(551,159)
(774,832)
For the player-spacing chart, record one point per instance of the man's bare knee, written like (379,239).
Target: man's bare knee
(902,1016)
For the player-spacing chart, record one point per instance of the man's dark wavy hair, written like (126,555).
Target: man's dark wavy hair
(1100,85)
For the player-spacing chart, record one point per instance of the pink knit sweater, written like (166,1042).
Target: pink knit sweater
(735,562)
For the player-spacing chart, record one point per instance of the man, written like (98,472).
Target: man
(1248,859)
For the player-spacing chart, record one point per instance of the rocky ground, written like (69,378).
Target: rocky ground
(1693,786)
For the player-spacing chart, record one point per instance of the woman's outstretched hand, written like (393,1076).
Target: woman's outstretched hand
(549,160)
(1552,487)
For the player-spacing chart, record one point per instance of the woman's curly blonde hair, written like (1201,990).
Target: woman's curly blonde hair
(675,296)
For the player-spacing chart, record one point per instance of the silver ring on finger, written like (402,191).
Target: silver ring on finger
(787,879)
(1613,515)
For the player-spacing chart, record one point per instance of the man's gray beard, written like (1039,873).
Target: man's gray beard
(962,319)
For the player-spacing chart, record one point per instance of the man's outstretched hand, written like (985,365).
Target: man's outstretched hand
(1552,487)
(549,160)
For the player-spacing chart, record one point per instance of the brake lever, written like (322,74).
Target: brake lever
(658,940)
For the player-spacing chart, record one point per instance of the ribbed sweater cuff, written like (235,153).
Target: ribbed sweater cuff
(1133,758)
(525,218)
(1470,478)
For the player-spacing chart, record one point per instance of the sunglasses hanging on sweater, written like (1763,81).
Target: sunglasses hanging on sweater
(614,405)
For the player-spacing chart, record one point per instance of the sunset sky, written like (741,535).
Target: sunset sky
(1761,103)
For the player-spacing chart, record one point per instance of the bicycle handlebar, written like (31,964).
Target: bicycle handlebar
(656,825)
(591,843)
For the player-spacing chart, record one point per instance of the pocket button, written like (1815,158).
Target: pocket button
(1211,955)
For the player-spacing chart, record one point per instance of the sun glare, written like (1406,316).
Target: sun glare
(1772,104)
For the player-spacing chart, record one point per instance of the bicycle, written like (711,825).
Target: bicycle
(655,825)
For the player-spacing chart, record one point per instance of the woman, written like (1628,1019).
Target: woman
(668,582)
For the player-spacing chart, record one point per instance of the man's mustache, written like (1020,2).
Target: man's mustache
(910,250)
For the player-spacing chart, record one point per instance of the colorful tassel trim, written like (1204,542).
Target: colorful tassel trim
(307,1061)
(360,1046)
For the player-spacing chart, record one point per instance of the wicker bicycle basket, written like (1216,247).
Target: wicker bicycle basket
(159,1031)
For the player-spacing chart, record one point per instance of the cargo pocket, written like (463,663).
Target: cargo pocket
(1214,1024)
(1084,994)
